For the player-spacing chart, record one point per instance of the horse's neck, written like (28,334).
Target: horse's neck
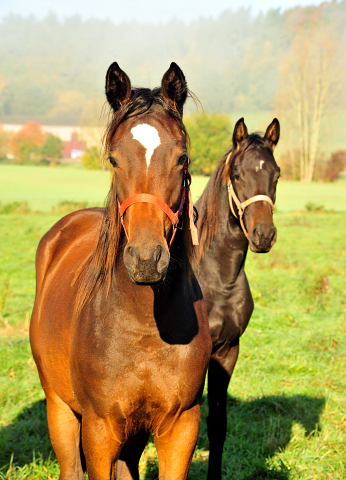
(228,247)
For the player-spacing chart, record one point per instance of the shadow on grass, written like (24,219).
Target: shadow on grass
(27,434)
(257,430)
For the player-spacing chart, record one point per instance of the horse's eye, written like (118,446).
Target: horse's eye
(236,176)
(182,159)
(112,161)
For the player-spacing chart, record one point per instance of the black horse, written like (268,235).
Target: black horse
(235,210)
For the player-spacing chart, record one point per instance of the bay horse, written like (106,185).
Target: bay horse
(235,211)
(119,330)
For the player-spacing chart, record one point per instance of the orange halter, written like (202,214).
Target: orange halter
(174,217)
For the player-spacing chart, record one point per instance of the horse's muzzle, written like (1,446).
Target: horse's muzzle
(263,236)
(146,265)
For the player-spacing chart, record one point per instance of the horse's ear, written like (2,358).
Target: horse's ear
(174,87)
(272,134)
(239,133)
(118,87)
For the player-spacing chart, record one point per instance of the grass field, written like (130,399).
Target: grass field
(44,187)
(286,412)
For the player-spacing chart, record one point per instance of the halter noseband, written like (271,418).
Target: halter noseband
(242,205)
(174,217)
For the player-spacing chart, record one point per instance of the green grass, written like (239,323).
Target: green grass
(293,196)
(43,188)
(286,413)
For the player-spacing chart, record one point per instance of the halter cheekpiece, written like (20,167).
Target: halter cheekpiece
(174,217)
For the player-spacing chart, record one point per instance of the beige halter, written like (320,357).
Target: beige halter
(242,205)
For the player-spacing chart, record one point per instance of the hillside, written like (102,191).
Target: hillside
(57,69)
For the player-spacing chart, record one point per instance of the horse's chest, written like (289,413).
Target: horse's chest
(137,376)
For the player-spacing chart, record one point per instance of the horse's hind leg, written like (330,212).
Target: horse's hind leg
(64,431)
(127,465)
(218,381)
(175,447)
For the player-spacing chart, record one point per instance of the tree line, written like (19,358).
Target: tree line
(30,145)
(232,63)
(292,62)
(210,137)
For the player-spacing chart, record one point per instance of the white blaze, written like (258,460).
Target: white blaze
(260,165)
(148,136)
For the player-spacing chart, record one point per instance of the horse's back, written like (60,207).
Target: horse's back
(61,251)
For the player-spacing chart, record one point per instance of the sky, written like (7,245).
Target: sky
(144,11)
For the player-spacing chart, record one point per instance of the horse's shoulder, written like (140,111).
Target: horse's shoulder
(78,228)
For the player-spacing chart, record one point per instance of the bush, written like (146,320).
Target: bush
(329,170)
(68,206)
(15,208)
(314,208)
(211,138)
(26,144)
(335,166)
(52,148)
(91,158)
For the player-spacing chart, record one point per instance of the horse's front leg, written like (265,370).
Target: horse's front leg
(175,447)
(64,431)
(218,380)
(101,446)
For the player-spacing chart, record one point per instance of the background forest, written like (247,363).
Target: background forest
(290,64)
(232,63)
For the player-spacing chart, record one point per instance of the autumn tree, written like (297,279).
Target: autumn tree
(26,144)
(211,137)
(4,140)
(310,74)
(331,169)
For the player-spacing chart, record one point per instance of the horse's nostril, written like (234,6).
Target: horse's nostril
(162,258)
(273,236)
(158,253)
(263,235)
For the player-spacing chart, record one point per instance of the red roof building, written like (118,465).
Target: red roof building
(73,149)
